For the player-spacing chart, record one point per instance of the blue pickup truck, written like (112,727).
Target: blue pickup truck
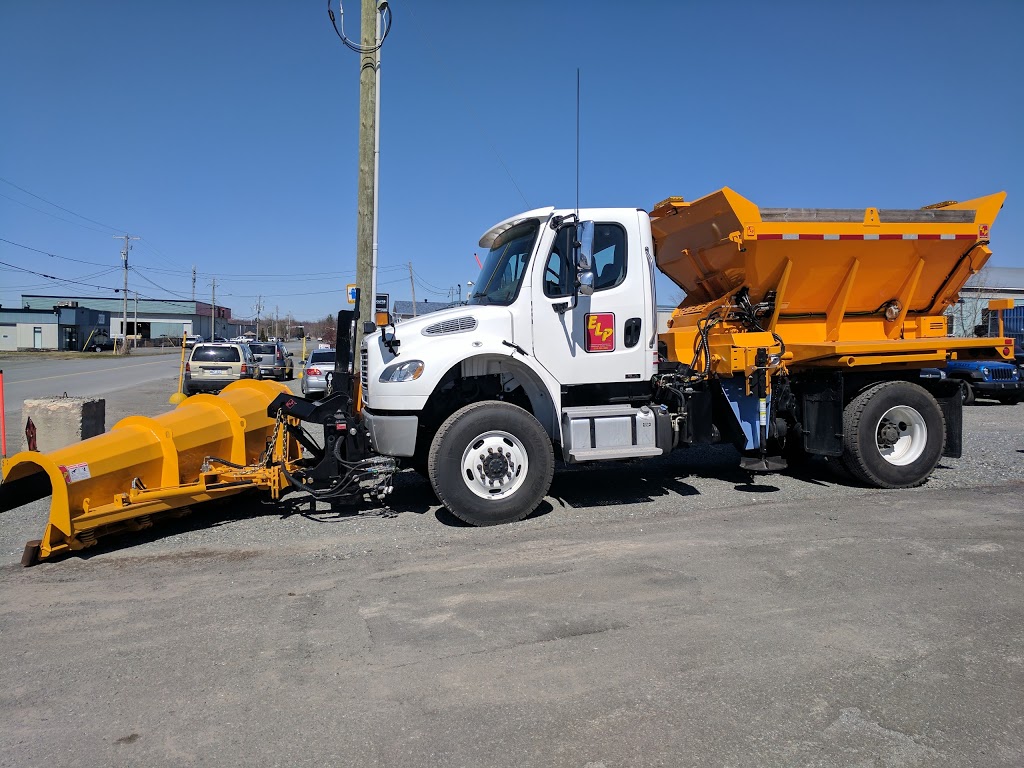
(995,380)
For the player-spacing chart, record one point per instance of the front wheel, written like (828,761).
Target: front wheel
(893,435)
(966,392)
(491,463)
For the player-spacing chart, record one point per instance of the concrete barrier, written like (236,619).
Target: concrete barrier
(63,421)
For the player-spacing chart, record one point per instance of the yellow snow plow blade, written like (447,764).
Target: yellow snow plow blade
(209,447)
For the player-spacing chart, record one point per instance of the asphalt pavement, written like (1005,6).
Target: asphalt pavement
(675,612)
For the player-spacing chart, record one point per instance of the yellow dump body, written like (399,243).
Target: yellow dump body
(846,287)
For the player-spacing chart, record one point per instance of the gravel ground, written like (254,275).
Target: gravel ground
(706,477)
(661,613)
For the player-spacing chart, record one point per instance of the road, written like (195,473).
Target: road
(87,376)
(674,612)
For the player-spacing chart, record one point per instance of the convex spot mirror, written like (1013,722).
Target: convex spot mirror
(584,246)
(586,283)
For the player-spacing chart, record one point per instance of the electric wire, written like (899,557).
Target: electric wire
(66,210)
(385,14)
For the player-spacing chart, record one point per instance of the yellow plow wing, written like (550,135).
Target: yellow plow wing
(148,466)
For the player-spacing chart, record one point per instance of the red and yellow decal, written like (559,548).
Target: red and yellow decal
(601,332)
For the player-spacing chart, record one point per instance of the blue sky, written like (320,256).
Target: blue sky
(225,134)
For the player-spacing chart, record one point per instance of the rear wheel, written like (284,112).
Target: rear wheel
(893,435)
(490,463)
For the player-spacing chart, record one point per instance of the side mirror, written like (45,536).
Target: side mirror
(586,283)
(584,246)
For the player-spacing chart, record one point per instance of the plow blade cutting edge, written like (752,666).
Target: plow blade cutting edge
(209,447)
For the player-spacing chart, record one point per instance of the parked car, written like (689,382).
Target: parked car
(993,379)
(192,339)
(211,367)
(314,378)
(100,343)
(274,359)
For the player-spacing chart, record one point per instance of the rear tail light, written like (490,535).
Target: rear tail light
(245,369)
(314,372)
(188,368)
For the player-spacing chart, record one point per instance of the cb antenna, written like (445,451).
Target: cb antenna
(577,143)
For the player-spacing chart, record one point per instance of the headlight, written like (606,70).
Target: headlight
(410,370)
(984,370)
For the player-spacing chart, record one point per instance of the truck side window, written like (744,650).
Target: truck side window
(609,260)
(559,273)
(609,256)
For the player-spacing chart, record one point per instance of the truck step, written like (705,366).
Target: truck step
(619,452)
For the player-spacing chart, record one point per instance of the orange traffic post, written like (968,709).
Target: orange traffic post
(3,420)
(180,396)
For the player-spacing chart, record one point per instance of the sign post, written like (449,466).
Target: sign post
(380,308)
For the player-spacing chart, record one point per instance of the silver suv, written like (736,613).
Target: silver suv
(274,358)
(211,367)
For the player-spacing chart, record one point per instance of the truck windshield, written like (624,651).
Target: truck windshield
(505,265)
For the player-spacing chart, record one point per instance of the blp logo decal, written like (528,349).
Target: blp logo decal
(601,332)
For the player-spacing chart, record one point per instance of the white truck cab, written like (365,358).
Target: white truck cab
(556,344)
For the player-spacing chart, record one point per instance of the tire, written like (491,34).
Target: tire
(517,451)
(966,392)
(893,435)
(1009,399)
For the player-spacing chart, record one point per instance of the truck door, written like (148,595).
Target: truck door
(604,337)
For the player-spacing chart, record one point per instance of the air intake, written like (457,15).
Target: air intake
(455,325)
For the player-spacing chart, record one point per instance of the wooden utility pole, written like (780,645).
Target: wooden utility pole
(124,294)
(366,188)
(412,287)
(213,310)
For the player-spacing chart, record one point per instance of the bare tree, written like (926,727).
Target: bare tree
(971,310)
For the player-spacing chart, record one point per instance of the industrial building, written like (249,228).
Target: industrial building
(72,322)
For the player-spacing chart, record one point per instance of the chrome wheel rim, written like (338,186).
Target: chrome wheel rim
(494,465)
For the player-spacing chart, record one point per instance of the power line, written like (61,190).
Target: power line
(385,13)
(162,288)
(54,255)
(59,279)
(54,215)
(66,210)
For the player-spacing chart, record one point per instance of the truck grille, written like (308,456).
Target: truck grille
(363,377)
(1002,374)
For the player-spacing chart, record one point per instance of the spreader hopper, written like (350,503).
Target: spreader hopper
(841,286)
